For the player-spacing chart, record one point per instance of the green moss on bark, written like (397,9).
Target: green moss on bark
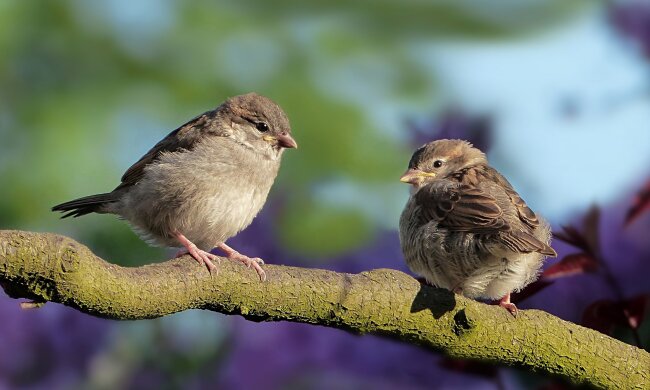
(47,267)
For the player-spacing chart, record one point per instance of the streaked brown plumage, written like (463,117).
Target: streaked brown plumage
(204,182)
(465,228)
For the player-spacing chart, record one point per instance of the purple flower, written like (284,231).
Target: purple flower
(51,345)
(632,19)
(281,355)
(452,124)
(625,252)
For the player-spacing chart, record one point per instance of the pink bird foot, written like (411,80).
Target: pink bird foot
(203,257)
(505,303)
(250,262)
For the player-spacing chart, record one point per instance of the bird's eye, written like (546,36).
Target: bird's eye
(437,163)
(262,127)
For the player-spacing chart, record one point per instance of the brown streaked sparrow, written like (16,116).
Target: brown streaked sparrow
(204,182)
(464,228)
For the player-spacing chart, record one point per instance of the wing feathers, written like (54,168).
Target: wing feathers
(185,137)
(461,208)
(466,208)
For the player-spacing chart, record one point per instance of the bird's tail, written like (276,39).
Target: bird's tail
(86,205)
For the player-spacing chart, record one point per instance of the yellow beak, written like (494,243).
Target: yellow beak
(415,176)
(283,139)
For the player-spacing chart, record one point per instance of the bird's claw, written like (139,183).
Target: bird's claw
(506,304)
(251,262)
(511,307)
(203,257)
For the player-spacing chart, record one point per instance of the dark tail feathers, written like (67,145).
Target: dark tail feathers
(86,205)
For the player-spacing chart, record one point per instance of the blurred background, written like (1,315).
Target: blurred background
(556,92)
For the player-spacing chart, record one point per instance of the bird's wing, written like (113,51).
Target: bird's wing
(522,241)
(465,208)
(525,214)
(184,137)
(461,207)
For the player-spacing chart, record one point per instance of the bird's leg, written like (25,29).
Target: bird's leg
(505,303)
(253,262)
(200,255)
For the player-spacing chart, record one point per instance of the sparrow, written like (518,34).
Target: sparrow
(203,183)
(465,228)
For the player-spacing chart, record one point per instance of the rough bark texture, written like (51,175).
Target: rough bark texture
(48,267)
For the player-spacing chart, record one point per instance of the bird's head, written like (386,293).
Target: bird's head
(439,159)
(259,123)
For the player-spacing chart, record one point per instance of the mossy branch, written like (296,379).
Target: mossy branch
(46,267)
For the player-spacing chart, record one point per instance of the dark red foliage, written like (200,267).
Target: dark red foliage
(556,386)
(470,367)
(634,309)
(573,264)
(588,241)
(590,228)
(604,314)
(530,290)
(572,236)
(640,204)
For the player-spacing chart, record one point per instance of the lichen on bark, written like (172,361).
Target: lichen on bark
(50,268)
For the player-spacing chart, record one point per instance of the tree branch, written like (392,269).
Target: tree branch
(47,267)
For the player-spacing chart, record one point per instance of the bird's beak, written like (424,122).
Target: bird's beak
(415,176)
(286,141)
(283,139)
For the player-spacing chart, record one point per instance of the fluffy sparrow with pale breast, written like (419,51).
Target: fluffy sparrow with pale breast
(466,229)
(202,183)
